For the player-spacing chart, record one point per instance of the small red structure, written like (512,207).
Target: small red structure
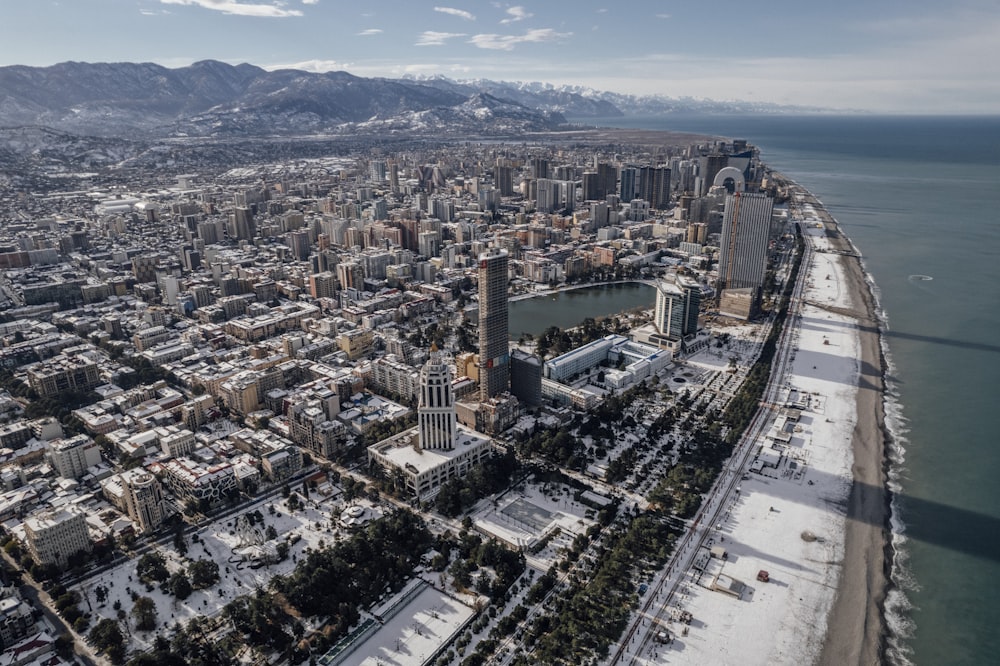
(763,576)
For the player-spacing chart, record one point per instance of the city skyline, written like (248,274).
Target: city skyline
(921,58)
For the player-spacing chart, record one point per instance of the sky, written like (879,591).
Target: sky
(892,56)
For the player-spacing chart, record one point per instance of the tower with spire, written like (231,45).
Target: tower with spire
(436,417)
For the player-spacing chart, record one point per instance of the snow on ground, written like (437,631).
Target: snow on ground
(786,521)
(316,522)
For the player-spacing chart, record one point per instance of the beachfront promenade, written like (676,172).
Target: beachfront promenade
(671,585)
(788,520)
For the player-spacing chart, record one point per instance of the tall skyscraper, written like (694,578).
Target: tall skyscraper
(746,228)
(494,367)
(627,187)
(436,417)
(591,190)
(654,186)
(394,177)
(540,168)
(548,197)
(607,180)
(241,224)
(503,177)
(677,304)
(714,163)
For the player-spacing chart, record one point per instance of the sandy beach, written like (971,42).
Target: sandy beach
(855,625)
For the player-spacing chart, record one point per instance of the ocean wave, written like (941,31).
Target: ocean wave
(898,606)
(899,623)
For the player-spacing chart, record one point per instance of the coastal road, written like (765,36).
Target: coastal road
(650,619)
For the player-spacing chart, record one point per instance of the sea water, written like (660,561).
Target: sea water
(920,198)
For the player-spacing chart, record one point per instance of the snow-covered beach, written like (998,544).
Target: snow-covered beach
(763,580)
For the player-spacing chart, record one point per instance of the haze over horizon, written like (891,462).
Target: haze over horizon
(918,57)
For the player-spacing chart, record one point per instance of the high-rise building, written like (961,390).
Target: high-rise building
(526,377)
(241,224)
(746,228)
(540,168)
(607,180)
(429,243)
(494,366)
(208,231)
(627,188)
(503,177)
(394,177)
(350,275)
(654,186)
(143,499)
(323,285)
(436,418)
(591,190)
(714,163)
(547,195)
(677,304)
(599,215)
(299,243)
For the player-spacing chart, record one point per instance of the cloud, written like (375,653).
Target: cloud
(238,8)
(431,38)
(369,32)
(310,2)
(460,13)
(317,66)
(508,42)
(663,16)
(517,13)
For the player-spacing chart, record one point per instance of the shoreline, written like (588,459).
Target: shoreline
(856,626)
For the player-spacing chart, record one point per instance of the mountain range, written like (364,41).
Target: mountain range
(211,98)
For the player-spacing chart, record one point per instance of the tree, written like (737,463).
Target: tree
(152,567)
(144,614)
(64,646)
(13,548)
(180,585)
(204,573)
(180,545)
(106,636)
